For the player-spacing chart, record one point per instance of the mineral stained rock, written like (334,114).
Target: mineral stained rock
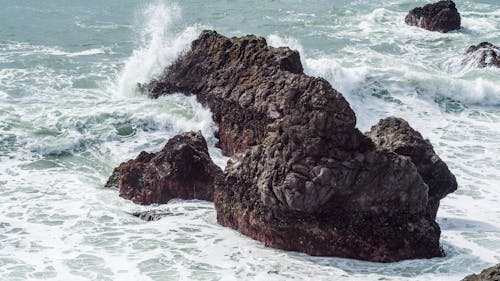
(396,135)
(483,55)
(302,177)
(441,16)
(182,169)
(490,274)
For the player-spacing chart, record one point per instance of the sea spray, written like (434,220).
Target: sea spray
(158,46)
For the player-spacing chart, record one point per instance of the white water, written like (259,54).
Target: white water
(69,115)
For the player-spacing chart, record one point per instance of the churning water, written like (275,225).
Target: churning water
(69,113)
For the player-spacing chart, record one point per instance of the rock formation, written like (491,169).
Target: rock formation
(441,16)
(302,177)
(490,274)
(182,169)
(482,55)
(396,135)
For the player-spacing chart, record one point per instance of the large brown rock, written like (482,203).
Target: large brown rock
(396,135)
(302,177)
(182,169)
(483,55)
(490,274)
(441,16)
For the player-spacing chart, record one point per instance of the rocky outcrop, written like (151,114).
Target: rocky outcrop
(302,177)
(182,169)
(441,16)
(482,55)
(490,274)
(396,135)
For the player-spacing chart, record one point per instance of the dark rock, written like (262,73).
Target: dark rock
(482,55)
(182,169)
(114,179)
(153,215)
(302,177)
(396,135)
(441,16)
(490,274)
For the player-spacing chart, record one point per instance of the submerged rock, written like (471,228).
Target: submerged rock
(490,274)
(302,177)
(152,215)
(182,169)
(396,135)
(484,54)
(441,16)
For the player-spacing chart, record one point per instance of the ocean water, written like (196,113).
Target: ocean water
(69,113)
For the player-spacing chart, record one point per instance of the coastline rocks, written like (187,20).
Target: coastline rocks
(490,274)
(302,177)
(441,16)
(182,169)
(483,55)
(396,135)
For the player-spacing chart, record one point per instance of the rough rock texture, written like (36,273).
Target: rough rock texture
(441,16)
(484,54)
(182,169)
(396,135)
(490,274)
(306,179)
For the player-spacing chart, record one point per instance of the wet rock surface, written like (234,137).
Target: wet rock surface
(490,274)
(182,169)
(442,16)
(482,55)
(301,177)
(152,215)
(396,135)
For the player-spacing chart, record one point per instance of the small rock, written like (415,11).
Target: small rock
(182,169)
(441,16)
(490,274)
(483,55)
(153,215)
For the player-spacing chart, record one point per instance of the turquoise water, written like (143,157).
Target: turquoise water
(69,113)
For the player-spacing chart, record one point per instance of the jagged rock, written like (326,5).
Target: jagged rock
(482,55)
(182,169)
(441,16)
(490,274)
(396,135)
(302,177)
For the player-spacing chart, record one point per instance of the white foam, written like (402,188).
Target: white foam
(100,25)
(26,49)
(90,52)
